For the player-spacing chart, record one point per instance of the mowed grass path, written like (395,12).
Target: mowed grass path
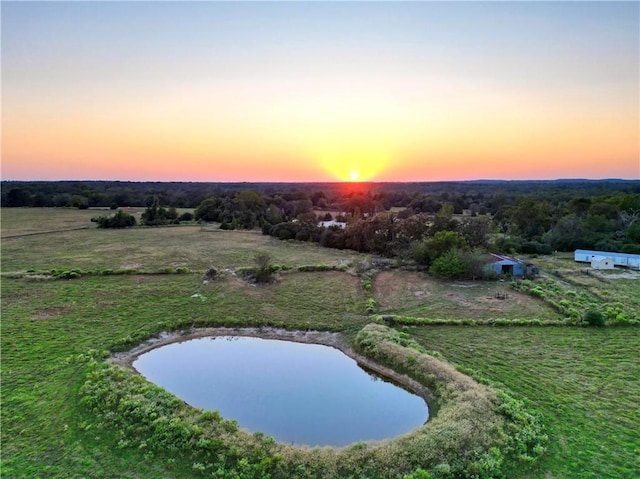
(585,381)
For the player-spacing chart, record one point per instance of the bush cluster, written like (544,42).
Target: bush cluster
(576,306)
(393,319)
(119,220)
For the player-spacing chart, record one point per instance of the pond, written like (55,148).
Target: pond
(304,394)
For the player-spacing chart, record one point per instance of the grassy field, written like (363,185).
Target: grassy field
(412,294)
(150,249)
(585,382)
(43,220)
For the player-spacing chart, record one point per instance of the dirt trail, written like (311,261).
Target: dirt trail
(45,232)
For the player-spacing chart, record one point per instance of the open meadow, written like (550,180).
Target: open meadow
(135,283)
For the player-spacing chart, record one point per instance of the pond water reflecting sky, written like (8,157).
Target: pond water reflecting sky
(298,393)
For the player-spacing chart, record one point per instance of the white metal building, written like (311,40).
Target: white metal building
(617,259)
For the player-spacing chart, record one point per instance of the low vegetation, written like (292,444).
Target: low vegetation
(577,304)
(415,295)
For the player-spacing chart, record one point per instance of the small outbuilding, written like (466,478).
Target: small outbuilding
(606,259)
(507,266)
(604,263)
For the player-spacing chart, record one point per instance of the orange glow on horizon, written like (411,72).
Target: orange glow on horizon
(373,101)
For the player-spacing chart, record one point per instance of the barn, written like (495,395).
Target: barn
(505,265)
(508,266)
(596,258)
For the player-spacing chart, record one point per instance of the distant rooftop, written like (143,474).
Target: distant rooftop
(608,254)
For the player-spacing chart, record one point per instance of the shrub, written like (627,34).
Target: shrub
(264,270)
(594,317)
(119,220)
(417,474)
(419,253)
(449,265)
(315,267)
(371,306)
(211,273)
(71,274)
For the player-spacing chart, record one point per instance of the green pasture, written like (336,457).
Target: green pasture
(149,249)
(585,382)
(26,221)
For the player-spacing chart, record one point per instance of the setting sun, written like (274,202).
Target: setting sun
(354,161)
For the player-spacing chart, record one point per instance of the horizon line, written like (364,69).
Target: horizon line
(317,182)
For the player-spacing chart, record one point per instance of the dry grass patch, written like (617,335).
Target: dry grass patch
(49,313)
(415,294)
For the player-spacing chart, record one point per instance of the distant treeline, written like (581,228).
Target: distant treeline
(425,196)
(390,219)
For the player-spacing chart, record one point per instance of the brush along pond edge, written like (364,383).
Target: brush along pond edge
(478,431)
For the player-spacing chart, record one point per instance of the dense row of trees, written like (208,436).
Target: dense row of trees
(479,196)
(527,217)
(610,223)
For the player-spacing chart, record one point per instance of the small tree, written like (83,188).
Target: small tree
(450,265)
(187,216)
(264,269)
(155,214)
(593,317)
(208,210)
(443,242)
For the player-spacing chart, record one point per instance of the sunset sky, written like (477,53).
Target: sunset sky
(293,91)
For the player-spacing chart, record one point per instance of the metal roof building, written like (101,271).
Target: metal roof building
(619,259)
